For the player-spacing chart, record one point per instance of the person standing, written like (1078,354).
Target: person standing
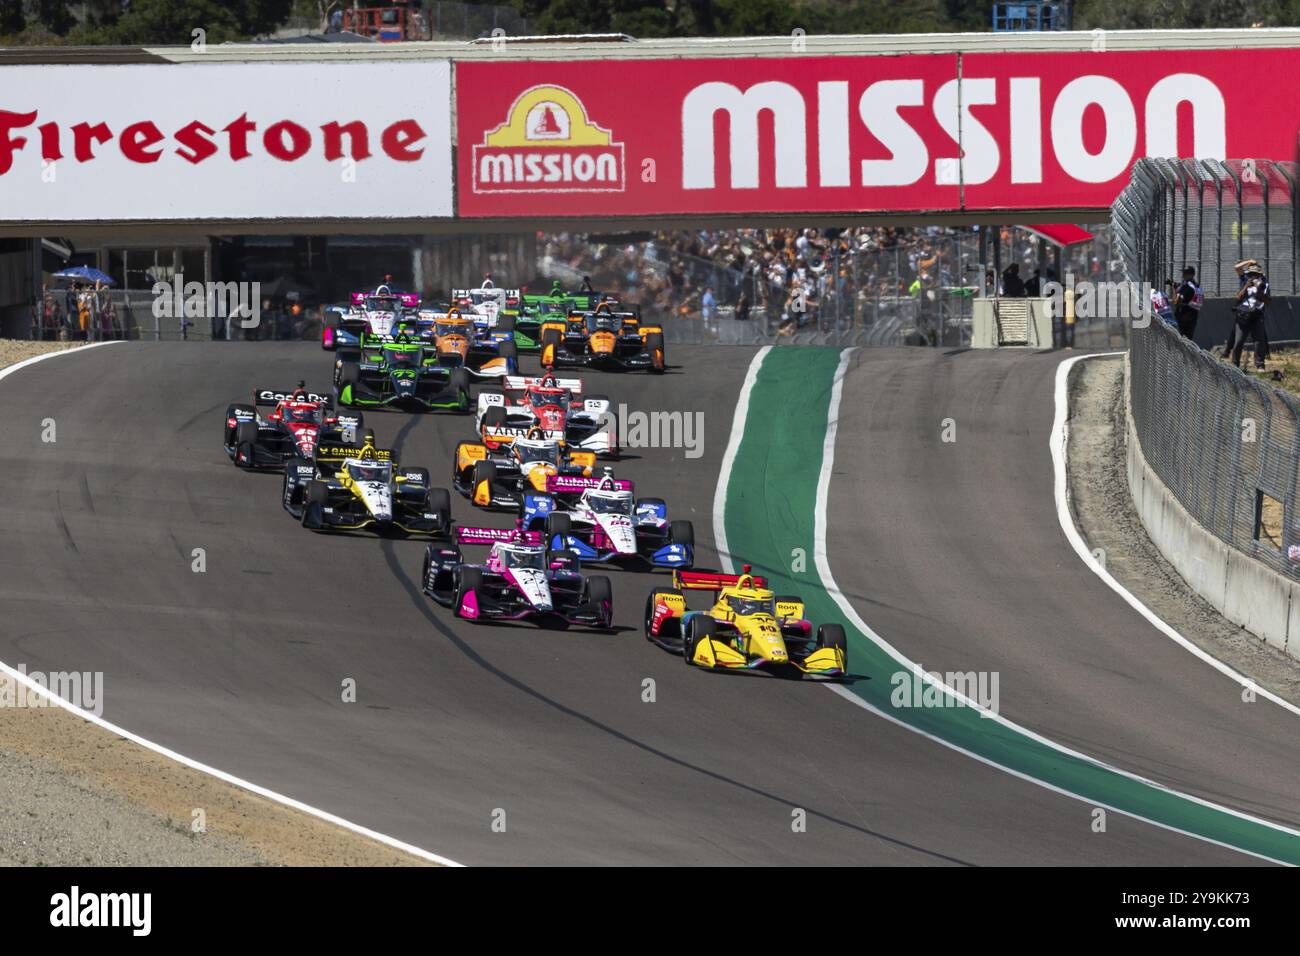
(1252,301)
(1034,287)
(1188,300)
(1013,287)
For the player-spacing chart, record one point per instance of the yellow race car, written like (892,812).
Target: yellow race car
(747,627)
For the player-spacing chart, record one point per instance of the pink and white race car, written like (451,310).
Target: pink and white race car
(520,580)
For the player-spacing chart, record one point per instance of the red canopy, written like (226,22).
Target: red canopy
(1062,235)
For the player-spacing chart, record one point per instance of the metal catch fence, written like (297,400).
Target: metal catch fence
(1227,445)
(1210,215)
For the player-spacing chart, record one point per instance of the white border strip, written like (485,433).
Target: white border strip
(729,459)
(1059,445)
(188,761)
(831,588)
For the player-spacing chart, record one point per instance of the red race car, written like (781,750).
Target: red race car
(523,405)
(299,421)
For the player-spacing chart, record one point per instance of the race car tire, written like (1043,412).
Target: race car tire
(505,323)
(509,351)
(422,472)
(467,580)
(245,442)
(439,502)
(349,373)
(290,471)
(832,635)
(483,471)
(700,627)
(550,345)
(682,532)
(598,588)
(654,343)
(650,603)
(460,382)
(557,523)
(313,501)
(230,413)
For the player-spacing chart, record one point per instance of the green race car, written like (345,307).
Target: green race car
(534,310)
(402,371)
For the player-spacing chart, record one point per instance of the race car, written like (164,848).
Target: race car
(501,478)
(600,520)
(378,311)
(522,404)
(520,580)
(603,338)
(460,340)
(536,309)
(747,627)
(298,420)
(351,487)
(401,371)
(488,302)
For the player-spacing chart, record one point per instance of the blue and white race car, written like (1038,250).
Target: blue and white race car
(601,521)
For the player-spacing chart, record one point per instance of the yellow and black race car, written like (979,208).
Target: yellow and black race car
(351,487)
(747,626)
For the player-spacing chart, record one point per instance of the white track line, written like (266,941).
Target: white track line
(1060,449)
(193,764)
(831,588)
(729,459)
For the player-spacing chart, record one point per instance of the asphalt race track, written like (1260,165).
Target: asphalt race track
(957,560)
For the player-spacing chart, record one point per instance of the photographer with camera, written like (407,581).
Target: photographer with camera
(1248,314)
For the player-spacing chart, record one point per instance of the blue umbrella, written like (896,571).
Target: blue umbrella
(85,274)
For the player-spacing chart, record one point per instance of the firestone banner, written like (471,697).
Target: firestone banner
(359,141)
(854,134)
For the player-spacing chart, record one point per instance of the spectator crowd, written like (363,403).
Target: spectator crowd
(796,278)
(80,312)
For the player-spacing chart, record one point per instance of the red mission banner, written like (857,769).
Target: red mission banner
(849,134)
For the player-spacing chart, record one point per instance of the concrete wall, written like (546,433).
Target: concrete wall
(1242,589)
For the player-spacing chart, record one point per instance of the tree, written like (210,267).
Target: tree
(11,17)
(54,16)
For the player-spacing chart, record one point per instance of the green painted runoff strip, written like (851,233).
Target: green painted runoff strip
(770,512)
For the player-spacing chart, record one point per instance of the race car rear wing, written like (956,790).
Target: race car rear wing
(558,484)
(274,396)
(713,581)
(521,383)
(500,293)
(409,300)
(493,535)
(337,453)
